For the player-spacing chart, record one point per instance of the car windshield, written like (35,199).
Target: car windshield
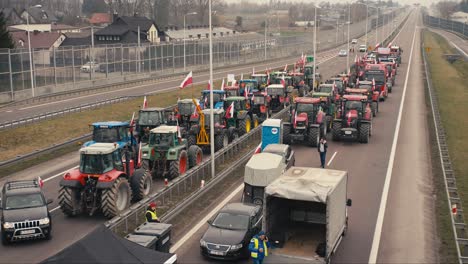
(161,139)
(149,118)
(22,201)
(305,108)
(326,89)
(231,221)
(96,164)
(106,135)
(378,77)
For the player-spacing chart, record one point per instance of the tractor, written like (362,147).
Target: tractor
(242,119)
(353,120)
(199,132)
(307,122)
(186,114)
(247,84)
(167,155)
(299,83)
(329,90)
(288,85)
(339,82)
(278,96)
(328,103)
(262,80)
(309,75)
(149,118)
(107,179)
(370,92)
(111,132)
(218,99)
(232,90)
(260,105)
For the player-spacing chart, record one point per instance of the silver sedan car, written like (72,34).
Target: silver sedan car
(343,53)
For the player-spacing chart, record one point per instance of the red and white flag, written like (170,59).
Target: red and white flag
(145,103)
(242,76)
(222,85)
(258,149)
(40,182)
(206,102)
(187,81)
(283,82)
(179,135)
(253,97)
(230,111)
(253,70)
(295,118)
(209,85)
(285,67)
(132,122)
(268,74)
(373,83)
(139,156)
(246,92)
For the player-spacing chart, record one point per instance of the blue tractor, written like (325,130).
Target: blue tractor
(112,132)
(250,84)
(218,99)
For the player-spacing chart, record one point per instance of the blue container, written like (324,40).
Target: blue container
(272,132)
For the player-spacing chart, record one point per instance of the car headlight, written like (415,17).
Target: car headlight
(202,243)
(236,247)
(8,225)
(44,221)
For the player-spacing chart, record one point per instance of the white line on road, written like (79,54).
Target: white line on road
(333,156)
(206,218)
(459,49)
(388,177)
(59,174)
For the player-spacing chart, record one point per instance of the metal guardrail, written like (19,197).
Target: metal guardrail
(184,190)
(459,28)
(458,223)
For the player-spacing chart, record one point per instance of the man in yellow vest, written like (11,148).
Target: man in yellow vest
(151,215)
(258,247)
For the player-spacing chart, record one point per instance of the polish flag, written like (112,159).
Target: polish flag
(139,156)
(285,67)
(246,93)
(242,76)
(187,81)
(132,122)
(258,149)
(206,102)
(209,85)
(222,85)
(230,111)
(195,113)
(283,82)
(145,103)
(268,74)
(179,135)
(253,97)
(253,70)
(295,118)
(40,181)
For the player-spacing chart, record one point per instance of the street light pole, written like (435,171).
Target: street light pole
(367,22)
(192,13)
(213,172)
(28,31)
(315,48)
(265,44)
(377,28)
(349,22)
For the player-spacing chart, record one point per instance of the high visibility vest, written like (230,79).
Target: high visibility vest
(153,215)
(265,248)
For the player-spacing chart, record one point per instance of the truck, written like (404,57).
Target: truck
(305,215)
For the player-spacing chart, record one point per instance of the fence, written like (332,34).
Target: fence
(446,24)
(65,69)
(458,223)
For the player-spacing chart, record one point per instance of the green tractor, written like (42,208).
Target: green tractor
(243,119)
(167,155)
(149,118)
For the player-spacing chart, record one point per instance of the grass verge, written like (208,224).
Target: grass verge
(28,138)
(449,81)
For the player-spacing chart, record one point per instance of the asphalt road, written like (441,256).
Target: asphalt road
(460,44)
(67,230)
(19,112)
(407,234)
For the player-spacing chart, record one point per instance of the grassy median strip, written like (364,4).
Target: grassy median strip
(28,138)
(449,81)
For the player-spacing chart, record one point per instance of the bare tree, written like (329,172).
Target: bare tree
(447,8)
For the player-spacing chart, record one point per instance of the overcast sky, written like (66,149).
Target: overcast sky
(422,2)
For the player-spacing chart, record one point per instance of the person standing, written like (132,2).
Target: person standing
(151,215)
(258,247)
(322,149)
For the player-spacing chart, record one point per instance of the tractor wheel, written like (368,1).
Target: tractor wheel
(286,134)
(374,109)
(191,140)
(233,134)
(245,126)
(313,137)
(256,123)
(336,130)
(195,156)
(141,183)
(324,128)
(221,140)
(69,201)
(179,166)
(116,199)
(364,131)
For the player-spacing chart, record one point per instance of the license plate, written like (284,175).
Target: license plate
(217,253)
(347,132)
(27,232)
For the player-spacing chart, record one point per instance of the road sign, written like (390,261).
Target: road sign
(310,58)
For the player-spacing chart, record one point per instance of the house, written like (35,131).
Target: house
(11,16)
(100,19)
(125,30)
(62,28)
(196,33)
(38,15)
(43,44)
(31,28)
(461,17)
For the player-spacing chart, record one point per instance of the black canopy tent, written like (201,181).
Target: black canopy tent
(103,246)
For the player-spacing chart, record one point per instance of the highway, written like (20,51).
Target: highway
(391,174)
(67,230)
(456,41)
(9,113)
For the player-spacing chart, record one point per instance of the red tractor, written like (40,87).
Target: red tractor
(368,88)
(353,120)
(378,73)
(307,123)
(107,180)
(279,98)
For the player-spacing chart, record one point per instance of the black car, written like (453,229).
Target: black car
(25,215)
(230,231)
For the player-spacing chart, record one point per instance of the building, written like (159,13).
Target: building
(39,16)
(197,33)
(461,17)
(31,28)
(62,28)
(125,30)
(43,44)
(100,19)
(11,16)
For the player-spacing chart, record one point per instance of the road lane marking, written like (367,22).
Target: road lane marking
(55,209)
(58,174)
(333,156)
(459,49)
(206,218)
(383,202)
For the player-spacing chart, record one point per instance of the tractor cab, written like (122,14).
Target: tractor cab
(242,119)
(218,117)
(353,120)
(150,118)
(164,137)
(260,105)
(278,96)
(328,90)
(307,110)
(288,81)
(111,132)
(339,83)
(355,106)
(101,158)
(247,84)
(232,91)
(261,79)
(218,98)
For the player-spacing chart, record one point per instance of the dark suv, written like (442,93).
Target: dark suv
(230,231)
(25,214)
